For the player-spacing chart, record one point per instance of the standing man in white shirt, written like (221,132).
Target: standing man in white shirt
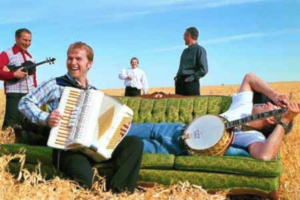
(135,79)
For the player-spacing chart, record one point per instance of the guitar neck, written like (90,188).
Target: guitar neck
(50,61)
(35,64)
(251,118)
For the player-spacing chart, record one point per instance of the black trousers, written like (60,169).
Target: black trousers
(187,88)
(12,115)
(132,91)
(125,162)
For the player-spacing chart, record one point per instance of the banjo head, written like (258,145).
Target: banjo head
(204,132)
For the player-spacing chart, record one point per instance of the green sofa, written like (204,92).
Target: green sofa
(239,175)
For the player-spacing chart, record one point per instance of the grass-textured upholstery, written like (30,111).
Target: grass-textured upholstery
(237,174)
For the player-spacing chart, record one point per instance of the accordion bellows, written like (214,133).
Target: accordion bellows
(91,122)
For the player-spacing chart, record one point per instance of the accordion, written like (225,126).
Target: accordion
(91,122)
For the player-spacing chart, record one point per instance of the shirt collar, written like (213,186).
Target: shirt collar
(195,44)
(77,83)
(16,50)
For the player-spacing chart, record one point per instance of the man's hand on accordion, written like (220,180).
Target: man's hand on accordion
(54,118)
(125,128)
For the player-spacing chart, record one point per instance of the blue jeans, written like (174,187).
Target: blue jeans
(163,138)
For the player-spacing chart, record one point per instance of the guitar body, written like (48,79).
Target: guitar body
(211,135)
(26,64)
(207,135)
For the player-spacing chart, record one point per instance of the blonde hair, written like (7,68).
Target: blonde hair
(82,45)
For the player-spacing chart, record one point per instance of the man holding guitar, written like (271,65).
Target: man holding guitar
(16,83)
(266,134)
(260,137)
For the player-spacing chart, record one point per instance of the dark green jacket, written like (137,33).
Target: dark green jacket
(193,62)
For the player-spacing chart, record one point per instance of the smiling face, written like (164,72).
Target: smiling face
(78,64)
(134,63)
(24,41)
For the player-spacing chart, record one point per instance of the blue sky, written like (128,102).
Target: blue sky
(240,36)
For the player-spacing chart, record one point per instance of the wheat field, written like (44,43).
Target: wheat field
(33,186)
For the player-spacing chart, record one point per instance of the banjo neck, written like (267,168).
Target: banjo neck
(251,118)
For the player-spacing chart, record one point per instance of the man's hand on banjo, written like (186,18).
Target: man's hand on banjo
(292,112)
(281,100)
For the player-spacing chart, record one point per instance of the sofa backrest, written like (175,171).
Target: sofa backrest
(175,109)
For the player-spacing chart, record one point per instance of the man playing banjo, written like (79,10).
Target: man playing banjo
(261,139)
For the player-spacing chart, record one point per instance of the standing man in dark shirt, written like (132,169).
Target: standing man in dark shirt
(193,65)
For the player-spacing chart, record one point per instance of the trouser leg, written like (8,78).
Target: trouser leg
(12,115)
(33,134)
(169,136)
(187,88)
(75,165)
(25,131)
(154,146)
(192,88)
(126,160)
(144,132)
(132,91)
(160,138)
(179,87)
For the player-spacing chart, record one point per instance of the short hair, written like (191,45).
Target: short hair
(134,58)
(268,129)
(20,31)
(82,45)
(193,32)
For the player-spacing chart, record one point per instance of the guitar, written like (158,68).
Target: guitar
(211,135)
(251,118)
(28,66)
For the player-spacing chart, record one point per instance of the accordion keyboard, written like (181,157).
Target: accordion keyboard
(68,104)
(91,122)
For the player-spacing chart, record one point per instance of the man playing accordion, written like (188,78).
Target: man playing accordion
(126,158)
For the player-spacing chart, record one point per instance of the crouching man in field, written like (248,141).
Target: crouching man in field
(261,140)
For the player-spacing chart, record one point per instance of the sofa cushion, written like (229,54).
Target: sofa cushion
(150,161)
(34,154)
(213,181)
(229,164)
(175,109)
(158,161)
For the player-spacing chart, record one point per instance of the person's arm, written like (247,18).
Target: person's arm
(251,82)
(123,75)
(201,65)
(144,83)
(30,105)
(5,75)
(270,149)
(180,66)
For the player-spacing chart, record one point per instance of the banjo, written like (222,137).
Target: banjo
(211,135)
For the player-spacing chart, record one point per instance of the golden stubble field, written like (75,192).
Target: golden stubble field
(35,187)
